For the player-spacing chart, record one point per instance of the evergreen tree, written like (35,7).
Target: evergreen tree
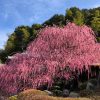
(58,20)
(95,23)
(75,15)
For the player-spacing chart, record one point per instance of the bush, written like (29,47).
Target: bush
(82,86)
(86,93)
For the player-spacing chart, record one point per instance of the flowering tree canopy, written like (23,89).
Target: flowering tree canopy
(46,57)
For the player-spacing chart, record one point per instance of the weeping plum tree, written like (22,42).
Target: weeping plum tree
(47,57)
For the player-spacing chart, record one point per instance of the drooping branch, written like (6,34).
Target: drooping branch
(47,57)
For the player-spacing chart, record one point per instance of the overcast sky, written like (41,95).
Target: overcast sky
(26,12)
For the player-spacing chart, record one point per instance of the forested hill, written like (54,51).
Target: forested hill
(23,35)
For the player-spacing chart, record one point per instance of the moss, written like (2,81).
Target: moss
(13,98)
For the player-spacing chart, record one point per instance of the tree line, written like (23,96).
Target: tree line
(23,35)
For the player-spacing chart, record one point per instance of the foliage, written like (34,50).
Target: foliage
(58,20)
(47,57)
(86,93)
(36,26)
(95,23)
(82,86)
(3,56)
(19,39)
(75,15)
(61,84)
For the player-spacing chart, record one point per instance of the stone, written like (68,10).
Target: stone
(74,94)
(49,92)
(90,86)
(3,98)
(65,93)
(93,81)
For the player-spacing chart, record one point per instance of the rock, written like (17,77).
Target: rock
(73,94)
(49,92)
(65,93)
(3,98)
(90,86)
(93,81)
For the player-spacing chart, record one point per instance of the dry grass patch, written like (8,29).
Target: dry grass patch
(28,94)
(44,97)
(33,94)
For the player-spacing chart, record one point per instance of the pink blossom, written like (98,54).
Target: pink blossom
(47,57)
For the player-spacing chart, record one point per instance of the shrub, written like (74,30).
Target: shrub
(86,93)
(82,86)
